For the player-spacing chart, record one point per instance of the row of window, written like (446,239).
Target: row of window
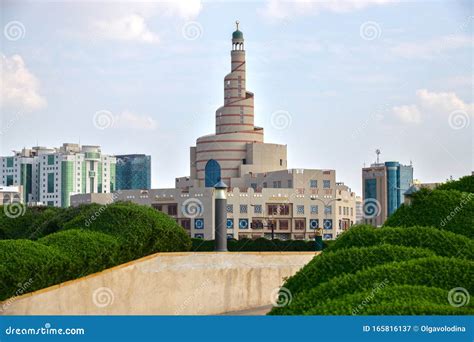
(280,209)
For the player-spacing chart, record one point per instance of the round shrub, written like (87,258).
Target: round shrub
(442,272)
(27,225)
(441,242)
(392,300)
(331,264)
(91,251)
(140,230)
(26,261)
(444,209)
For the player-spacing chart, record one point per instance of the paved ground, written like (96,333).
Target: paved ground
(259,311)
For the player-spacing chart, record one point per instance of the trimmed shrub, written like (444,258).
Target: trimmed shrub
(27,225)
(392,300)
(331,264)
(465,184)
(441,242)
(444,209)
(91,251)
(140,230)
(258,245)
(26,261)
(442,272)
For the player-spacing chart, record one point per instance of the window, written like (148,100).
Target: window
(51,183)
(284,225)
(313,223)
(278,209)
(244,161)
(257,224)
(300,209)
(264,185)
(199,223)
(328,209)
(313,183)
(230,208)
(158,207)
(254,186)
(257,209)
(230,223)
(300,224)
(281,162)
(290,183)
(326,184)
(327,224)
(340,211)
(243,224)
(50,159)
(9,180)
(186,223)
(199,236)
(277,184)
(243,208)
(172,209)
(314,209)
(212,173)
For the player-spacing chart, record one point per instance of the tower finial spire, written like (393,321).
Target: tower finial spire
(237,24)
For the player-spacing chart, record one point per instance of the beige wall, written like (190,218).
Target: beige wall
(168,284)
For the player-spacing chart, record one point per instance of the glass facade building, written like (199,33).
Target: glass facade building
(133,171)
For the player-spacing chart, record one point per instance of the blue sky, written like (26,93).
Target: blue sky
(332,80)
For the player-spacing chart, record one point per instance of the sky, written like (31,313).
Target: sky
(333,80)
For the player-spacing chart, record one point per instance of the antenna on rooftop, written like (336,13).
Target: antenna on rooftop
(377,152)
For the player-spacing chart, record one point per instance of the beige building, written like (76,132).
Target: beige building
(264,197)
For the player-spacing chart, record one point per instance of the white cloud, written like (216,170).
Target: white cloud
(281,9)
(407,114)
(19,86)
(131,120)
(432,103)
(432,47)
(129,28)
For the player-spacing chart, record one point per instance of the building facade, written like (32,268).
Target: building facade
(133,171)
(265,198)
(49,176)
(383,188)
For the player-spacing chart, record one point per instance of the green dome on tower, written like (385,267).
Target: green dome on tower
(237,34)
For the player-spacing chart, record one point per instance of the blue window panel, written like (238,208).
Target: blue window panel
(326,184)
(212,173)
(313,223)
(327,223)
(199,236)
(199,223)
(313,183)
(327,236)
(230,223)
(243,223)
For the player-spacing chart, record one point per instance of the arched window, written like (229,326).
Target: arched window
(212,173)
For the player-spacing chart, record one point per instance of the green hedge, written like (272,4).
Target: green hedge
(25,226)
(140,230)
(465,184)
(331,264)
(91,251)
(26,261)
(441,242)
(442,272)
(444,209)
(260,244)
(392,300)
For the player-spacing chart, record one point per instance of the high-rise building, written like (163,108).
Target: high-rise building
(133,171)
(383,188)
(49,176)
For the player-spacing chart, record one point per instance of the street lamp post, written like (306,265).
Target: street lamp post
(220,218)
